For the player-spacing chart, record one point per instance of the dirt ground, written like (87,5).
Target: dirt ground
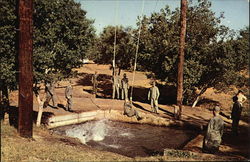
(232,147)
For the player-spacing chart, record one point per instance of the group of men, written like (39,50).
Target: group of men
(123,86)
(213,136)
(118,84)
(50,95)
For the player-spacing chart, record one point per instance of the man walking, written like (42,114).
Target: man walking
(153,96)
(116,86)
(95,83)
(68,95)
(213,136)
(49,90)
(124,86)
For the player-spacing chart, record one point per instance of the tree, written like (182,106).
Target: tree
(125,47)
(8,35)
(62,36)
(208,53)
(181,55)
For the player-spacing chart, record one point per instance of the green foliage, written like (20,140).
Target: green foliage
(62,36)
(8,37)
(212,57)
(125,47)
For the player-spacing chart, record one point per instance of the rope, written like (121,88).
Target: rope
(116,9)
(117,2)
(137,48)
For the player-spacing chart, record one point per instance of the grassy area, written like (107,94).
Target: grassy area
(45,146)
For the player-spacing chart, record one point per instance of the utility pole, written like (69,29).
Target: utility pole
(181,56)
(25,50)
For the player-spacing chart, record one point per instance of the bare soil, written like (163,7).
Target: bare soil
(232,148)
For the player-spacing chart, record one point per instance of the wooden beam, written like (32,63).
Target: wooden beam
(25,51)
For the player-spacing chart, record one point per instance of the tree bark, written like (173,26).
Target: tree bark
(25,52)
(181,56)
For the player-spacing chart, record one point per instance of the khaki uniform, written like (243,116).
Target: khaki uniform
(125,87)
(212,139)
(130,111)
(68,95)
(95,83)
(153,96)
(49,90)
(116,85)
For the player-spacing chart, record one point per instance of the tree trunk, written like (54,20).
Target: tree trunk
(198,96)
(40,106)
(40,110)
(25,75)
(181,56)
(196,101)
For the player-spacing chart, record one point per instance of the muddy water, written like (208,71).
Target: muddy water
(128,139)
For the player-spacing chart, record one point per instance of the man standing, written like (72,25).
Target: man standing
(213,136)
(153,95)
(95,83)
(241,97)
(49,90)
(125,87)
(235,115)
(116,86)
(68,95)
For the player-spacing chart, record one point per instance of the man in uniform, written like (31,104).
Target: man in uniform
(116,85)
(124,86)
(68,95)
(153,96)
(213,136)
(49,90)
(241,97)
(95,83)
(235,115)
(130,111)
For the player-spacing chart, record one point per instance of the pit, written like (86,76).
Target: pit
(128,139)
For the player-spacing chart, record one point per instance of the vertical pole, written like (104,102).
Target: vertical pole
(25,100)
(181,55)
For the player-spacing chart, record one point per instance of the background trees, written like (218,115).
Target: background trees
(125,47)
(209,53)
(8,35)
(62,36)
(214,54)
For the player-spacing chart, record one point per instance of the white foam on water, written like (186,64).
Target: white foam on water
(111,145)
(114,146)
(126,134)
(95,131)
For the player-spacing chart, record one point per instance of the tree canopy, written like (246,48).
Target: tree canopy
(62,36)
(214,54)
(125,47)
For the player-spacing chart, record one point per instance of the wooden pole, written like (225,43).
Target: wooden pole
(181,55)
(25,49)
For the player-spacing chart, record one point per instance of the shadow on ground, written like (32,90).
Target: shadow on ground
(12,112)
